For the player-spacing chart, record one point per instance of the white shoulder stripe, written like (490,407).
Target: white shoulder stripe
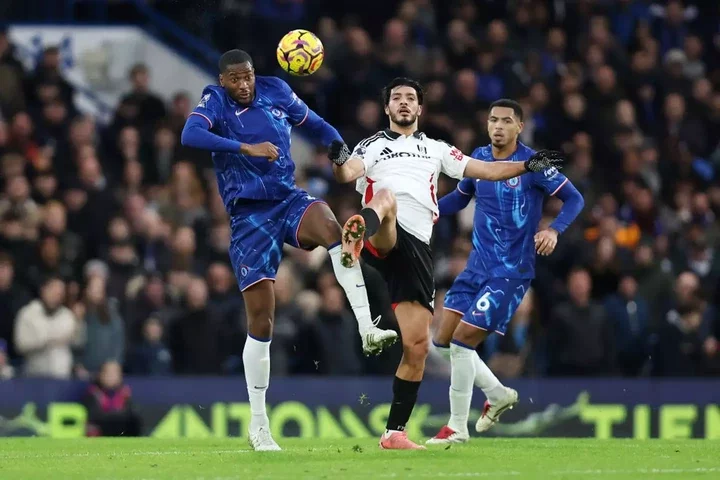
(369,140)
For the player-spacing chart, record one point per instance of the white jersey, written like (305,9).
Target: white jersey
(408,166)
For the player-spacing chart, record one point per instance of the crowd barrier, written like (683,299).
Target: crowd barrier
(330,407)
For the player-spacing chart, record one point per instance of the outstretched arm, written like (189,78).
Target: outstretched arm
(347,167)
(457,165)
(350,171)
(494,170)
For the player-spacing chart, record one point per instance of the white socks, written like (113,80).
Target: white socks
(468,368)
(353,282)
(461,386)
(486,380)
(443,350)
(256,360)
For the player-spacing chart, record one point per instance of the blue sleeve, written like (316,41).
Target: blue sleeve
(467,186)
(455,201)
(573,203)
(196,132)
(550,181)
(302,116)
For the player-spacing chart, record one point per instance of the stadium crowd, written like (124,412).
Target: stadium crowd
(113,240)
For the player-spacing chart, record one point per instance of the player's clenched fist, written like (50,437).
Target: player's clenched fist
(543,160)
(338,153)
(545,241)
(265,149)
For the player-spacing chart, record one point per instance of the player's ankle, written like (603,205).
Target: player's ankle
(458,427)
(496,393)
(259,420)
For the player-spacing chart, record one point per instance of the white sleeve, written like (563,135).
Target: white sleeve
(453,161)
(366,153)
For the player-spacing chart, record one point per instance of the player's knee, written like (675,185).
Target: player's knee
(388,201)
(260,320)
(416,350)
(330,232)
(442,338)
(468,335)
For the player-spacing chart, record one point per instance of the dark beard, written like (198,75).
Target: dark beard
(402,122)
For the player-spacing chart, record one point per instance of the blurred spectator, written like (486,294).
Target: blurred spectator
(337,336)
(6,370)
(45,333)
(19,202)
(48,81)
(109,405)
(104,327)
(630,316)
(579,333)
(685,340)
(12,298)
(195,334)
(150,356)
(149,298)
(150,107)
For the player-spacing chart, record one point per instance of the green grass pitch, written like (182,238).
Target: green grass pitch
(210,459)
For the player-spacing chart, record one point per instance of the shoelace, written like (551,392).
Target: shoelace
(264,436)
(376,321)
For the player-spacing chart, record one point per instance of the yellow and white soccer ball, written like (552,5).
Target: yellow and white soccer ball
(300,52)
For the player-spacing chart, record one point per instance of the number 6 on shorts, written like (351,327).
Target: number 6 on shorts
(483,303)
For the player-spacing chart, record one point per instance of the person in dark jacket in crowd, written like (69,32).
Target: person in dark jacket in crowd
(109,405)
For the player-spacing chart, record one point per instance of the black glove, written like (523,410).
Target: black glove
(544,159)
(339,153)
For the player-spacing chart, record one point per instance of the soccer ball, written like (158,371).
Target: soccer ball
(300,53)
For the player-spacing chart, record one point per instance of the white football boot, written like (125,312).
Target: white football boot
(261,441)
(447,435)
(491,413)
(375,340)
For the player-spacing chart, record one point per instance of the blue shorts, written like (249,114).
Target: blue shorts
(259,228)
(486,303)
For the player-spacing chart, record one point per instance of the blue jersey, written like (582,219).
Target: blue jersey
(507,214)
(269,118)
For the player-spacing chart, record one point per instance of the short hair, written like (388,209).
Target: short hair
(137,69)
(402,82)
(507,103)
(233,57)
(47,280)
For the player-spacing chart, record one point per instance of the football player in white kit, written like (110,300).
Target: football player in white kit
(397,172)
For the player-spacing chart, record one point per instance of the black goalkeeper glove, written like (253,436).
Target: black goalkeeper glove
(544,159)
(339,153)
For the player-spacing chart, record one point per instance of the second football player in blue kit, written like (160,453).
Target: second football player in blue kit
(246,122)
(500,268)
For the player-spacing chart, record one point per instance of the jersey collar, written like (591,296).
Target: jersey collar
(391,135)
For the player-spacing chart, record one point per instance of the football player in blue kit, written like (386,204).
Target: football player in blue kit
(246,122)
(484,297)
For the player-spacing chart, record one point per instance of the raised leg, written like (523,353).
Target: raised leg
(320,228)
(376,223)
